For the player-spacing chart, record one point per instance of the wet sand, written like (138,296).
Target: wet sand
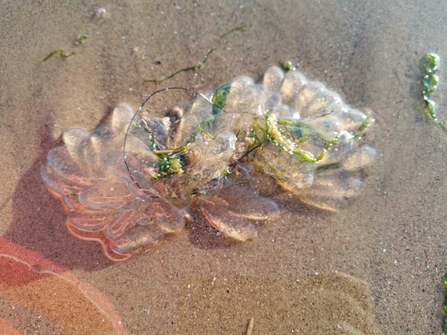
(391,239)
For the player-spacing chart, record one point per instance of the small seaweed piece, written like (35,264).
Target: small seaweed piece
(429,83)
(60,53)
(200,64)
(288,66)
(444,306)
(170,162)
(81,38)
(220,98)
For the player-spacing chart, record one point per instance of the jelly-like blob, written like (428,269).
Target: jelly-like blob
(90,178)
(134,179)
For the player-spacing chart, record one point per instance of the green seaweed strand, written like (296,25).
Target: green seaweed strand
(300,131)
(429,83)
(60,53)
(200,64)
(276,136)
(81,39)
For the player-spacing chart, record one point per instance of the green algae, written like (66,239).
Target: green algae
(81,38)
(429,84)
(288,66)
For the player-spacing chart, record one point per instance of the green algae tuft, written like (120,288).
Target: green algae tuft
(429,83)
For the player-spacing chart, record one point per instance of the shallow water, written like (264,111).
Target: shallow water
(389,241)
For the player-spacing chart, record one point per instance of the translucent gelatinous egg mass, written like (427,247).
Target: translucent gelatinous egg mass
(134,179)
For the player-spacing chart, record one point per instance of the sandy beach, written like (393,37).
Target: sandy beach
(376,265)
